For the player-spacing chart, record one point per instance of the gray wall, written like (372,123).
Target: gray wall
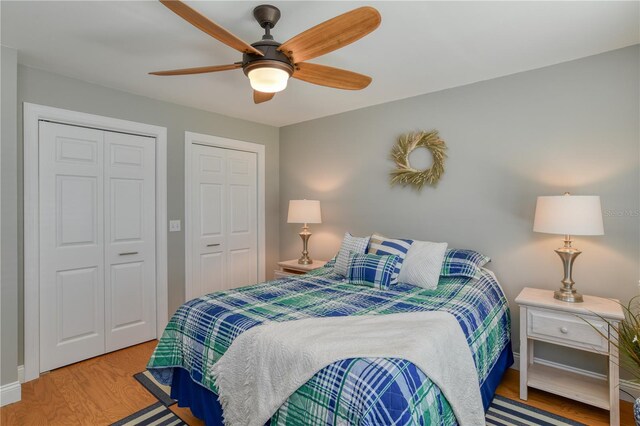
(569,127)
(40,87)
(9,220)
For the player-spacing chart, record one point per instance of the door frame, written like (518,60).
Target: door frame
(191,138)
(33,114)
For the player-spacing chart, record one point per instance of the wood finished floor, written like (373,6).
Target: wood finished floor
(102,390)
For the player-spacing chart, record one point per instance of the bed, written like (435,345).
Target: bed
(365,391)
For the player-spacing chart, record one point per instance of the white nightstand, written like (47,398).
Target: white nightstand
(549,320)
(292,267)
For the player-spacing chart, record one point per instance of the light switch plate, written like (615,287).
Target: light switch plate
(174,225)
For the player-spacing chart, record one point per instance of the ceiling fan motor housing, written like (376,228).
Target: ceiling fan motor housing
(272,58)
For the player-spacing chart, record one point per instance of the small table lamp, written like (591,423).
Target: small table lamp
(568,215)
(304,211)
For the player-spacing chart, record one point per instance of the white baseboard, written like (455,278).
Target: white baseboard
(10,393)
(625,385)
(21,373)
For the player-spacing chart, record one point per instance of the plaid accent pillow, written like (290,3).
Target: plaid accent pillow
(464,263)
(386,246)
(331,263)
(371,270)
(349,244)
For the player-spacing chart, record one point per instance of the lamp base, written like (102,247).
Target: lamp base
(568,254)
(570,296)
(305,235)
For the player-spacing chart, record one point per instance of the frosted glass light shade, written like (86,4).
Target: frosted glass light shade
(569,215)
(304,211)
(268,80)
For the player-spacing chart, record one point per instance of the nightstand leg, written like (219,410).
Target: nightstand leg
(524,353)
(614,382)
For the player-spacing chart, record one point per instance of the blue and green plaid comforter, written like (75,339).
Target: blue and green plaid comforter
(365,391)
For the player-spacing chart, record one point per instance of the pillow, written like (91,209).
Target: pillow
(371,270)
(465,263)
(331,264)
(386,246)
(422,265)
(349,244)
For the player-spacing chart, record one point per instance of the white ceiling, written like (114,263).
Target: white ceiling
(420,47)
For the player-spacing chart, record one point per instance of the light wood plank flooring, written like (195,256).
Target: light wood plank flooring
(102,390)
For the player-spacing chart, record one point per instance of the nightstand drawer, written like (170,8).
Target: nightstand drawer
(568,329)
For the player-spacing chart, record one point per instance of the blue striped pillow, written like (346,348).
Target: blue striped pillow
(371,270)
(464,263)
(386,246)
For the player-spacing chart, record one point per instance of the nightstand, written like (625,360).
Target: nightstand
(546,319)
(292,267)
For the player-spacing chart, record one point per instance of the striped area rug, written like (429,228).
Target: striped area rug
(507,412)
(154,415)
(160,391)
(502,412)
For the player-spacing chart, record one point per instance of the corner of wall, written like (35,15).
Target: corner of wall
(10,389)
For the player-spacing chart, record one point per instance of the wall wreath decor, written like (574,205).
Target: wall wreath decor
(404,174)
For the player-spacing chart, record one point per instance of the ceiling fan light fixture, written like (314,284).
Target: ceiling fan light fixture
(268,79)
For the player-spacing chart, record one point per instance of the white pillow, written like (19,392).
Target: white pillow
(349,244)
(422,264)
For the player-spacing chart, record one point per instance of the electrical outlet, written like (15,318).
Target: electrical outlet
(174,225)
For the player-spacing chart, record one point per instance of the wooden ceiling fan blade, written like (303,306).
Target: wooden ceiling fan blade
(331,77)
(260,97)
(205,24)
(198,70)
(332,34)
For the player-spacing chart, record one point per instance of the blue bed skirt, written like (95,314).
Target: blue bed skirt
(204,403)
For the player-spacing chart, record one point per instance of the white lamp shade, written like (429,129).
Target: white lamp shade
(304,211)
(268,80)
(569,215)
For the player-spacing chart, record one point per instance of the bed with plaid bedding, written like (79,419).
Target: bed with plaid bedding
(366,391)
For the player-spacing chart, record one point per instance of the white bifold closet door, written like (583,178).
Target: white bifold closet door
(97,242)
(224,219)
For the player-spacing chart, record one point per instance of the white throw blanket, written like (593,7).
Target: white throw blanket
(268,363)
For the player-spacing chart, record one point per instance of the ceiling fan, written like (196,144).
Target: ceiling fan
(269,64)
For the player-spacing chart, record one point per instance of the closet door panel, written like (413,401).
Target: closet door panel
(77,300)
(71,244)
(127,287)
(130,240)
(242,230)
(211,270)
(208,216)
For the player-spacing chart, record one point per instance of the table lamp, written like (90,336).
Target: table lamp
(568,215)
(304,211)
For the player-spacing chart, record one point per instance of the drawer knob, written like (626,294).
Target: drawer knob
(564,330)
